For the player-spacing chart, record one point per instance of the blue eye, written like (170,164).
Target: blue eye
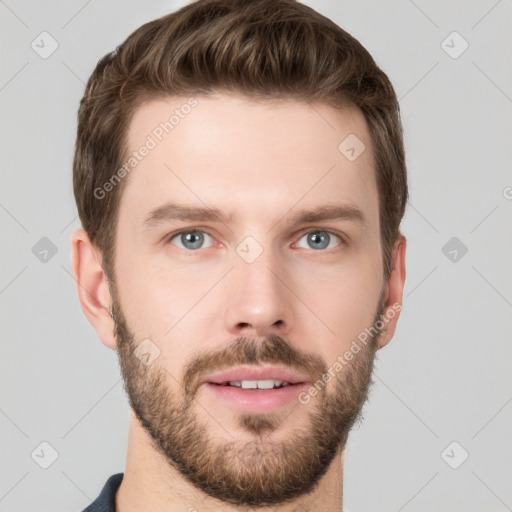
(320,239)
(192,239)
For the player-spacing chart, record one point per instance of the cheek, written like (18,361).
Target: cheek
(158,294)
(344,295)
(141,293)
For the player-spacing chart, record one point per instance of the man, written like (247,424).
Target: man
(240,177)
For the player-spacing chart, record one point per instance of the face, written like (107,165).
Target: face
(247,241)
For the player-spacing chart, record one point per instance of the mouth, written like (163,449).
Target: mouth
(256,389)
(257,385)
(257,377)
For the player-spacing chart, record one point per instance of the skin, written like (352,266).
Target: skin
(205,308)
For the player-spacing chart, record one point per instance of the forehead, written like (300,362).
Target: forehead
(250,156)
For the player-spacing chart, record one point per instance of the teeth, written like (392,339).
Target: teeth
(259,384)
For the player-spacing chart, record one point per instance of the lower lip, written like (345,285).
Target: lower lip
(257,400)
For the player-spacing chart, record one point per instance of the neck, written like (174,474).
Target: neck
(151,483)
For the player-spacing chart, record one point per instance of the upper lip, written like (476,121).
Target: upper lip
(256,373)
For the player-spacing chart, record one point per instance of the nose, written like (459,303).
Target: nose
(258,300)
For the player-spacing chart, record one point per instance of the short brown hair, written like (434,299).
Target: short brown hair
(265,49)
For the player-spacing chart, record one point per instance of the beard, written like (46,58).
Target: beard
(246,473)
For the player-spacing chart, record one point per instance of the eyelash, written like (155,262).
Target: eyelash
(343,242)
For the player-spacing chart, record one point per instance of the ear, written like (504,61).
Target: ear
(92,286)
(394,292)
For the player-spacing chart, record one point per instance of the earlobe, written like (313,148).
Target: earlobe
(92,287)
(394,292)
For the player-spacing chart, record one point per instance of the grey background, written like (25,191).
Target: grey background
(445,376)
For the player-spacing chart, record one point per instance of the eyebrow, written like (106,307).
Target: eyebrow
(170,211)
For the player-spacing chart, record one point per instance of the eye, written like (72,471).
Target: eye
(192,239)
(320,239)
